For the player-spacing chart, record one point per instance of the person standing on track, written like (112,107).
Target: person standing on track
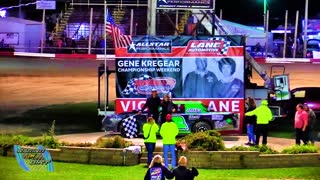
(264,115)
(153,105)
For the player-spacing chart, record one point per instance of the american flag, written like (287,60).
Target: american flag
(119,39)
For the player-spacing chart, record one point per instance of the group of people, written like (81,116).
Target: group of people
(200,82)
(168,131)
(154,103)
(304,124)
(258,118)
(157,170)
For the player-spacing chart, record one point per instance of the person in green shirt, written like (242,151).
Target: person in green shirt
(169,130)
(264,115)
(150,129)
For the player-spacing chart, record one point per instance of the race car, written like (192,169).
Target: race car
(191,116)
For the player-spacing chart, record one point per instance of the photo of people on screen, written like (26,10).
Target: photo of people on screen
(228,86)
(197,83)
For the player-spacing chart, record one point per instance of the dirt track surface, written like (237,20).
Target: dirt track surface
(34,82)
(28,83)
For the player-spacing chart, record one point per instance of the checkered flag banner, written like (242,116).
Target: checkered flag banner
(130,126)
(131,88)
(226,44)
(225,47)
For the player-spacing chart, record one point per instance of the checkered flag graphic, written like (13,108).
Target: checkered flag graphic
(225,47)
(226,44)
(131,88)
(130,126)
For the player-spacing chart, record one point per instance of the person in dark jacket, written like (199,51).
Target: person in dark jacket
(168,107)
(157,170)
(198,83)
(153,104)
(251,121)
(312,119)
(182,172)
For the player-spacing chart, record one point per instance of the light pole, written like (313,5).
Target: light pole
(305,28)
(264,14)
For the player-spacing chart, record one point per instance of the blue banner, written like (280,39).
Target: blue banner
(185,4)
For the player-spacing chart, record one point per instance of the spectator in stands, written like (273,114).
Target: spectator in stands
(300,124)
(2,43)
(73,46)
(59,44)
(157,170)
(311,128)
(228,86)
(150,129)
(264,115)
(82,38)
(182,172)
(258,47)
(250,121)
(168,107)
(168,132)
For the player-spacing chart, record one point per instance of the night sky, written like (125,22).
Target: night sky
(250,12)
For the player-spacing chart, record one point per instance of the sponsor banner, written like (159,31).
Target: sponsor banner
(46,4)
(202,69)
(209,69)
(213,105)
(224,106)
(149,47)
(185,4)
(137,77)
(182,46)
(181,77)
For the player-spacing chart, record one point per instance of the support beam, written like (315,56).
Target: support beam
(285,35)
(295,35)
(171,22)
(305,28)
(90,31)
(199,22)
(151,17)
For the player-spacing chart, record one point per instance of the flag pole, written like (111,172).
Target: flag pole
(105,57)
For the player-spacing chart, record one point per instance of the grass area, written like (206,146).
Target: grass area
(9,169)
(69,118)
